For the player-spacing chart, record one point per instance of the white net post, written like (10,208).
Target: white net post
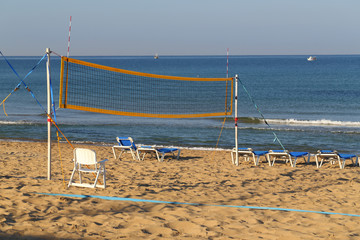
(236,121)
(48,112)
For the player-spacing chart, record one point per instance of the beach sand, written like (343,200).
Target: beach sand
(206,177)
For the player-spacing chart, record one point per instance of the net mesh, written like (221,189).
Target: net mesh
(97,88)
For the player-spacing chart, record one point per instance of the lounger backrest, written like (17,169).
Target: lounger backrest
(126,142)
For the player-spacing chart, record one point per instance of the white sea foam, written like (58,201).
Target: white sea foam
(321,122)
(16,123)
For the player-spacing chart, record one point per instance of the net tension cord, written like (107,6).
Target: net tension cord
(276,139)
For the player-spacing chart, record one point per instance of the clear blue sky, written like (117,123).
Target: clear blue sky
(182,27)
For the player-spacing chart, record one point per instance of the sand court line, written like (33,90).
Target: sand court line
(193,204)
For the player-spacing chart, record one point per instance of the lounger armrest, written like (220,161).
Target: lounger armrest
(147,148)
(123,147)
(279,151)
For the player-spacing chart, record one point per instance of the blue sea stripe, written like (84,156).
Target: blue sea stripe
(194,204)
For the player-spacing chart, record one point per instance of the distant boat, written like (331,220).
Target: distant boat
(156,56)
(311,58)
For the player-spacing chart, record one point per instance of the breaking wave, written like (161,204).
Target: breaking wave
(321,122)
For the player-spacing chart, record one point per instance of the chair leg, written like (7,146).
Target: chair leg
(255,160)
(268,159)
(305,160)
(104,176)
(137,154)
(96,179)
(113,149)
(232,157)
(178,155)
(343,164)
(246,158)
(142,158)
(273,162)
(121,153)
(158,157)
(293,163)
(80,177)
(71,178)
(162,157)
(258,160)
(317,161)
(133,155)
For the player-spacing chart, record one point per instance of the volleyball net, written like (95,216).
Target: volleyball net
(96,88)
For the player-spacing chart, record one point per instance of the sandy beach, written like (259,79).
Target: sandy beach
(204,177)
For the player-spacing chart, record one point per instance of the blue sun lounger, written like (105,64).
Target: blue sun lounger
(332,156)
(248,153)
(158,151)
(127,144)
(291,157)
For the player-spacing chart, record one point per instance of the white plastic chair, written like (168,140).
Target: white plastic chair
(85,162)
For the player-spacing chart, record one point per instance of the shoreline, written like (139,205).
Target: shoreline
(312,151)
(105,144)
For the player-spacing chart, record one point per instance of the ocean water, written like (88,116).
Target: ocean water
(308,105)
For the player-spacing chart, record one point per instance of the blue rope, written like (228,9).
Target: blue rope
(52,101)
(11,66)
(194,204)
(22,80)
(257,108)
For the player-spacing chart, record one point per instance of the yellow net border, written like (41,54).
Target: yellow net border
(228,108)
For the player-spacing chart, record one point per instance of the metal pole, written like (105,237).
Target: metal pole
(68,51)
(236,120)
(48,112)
